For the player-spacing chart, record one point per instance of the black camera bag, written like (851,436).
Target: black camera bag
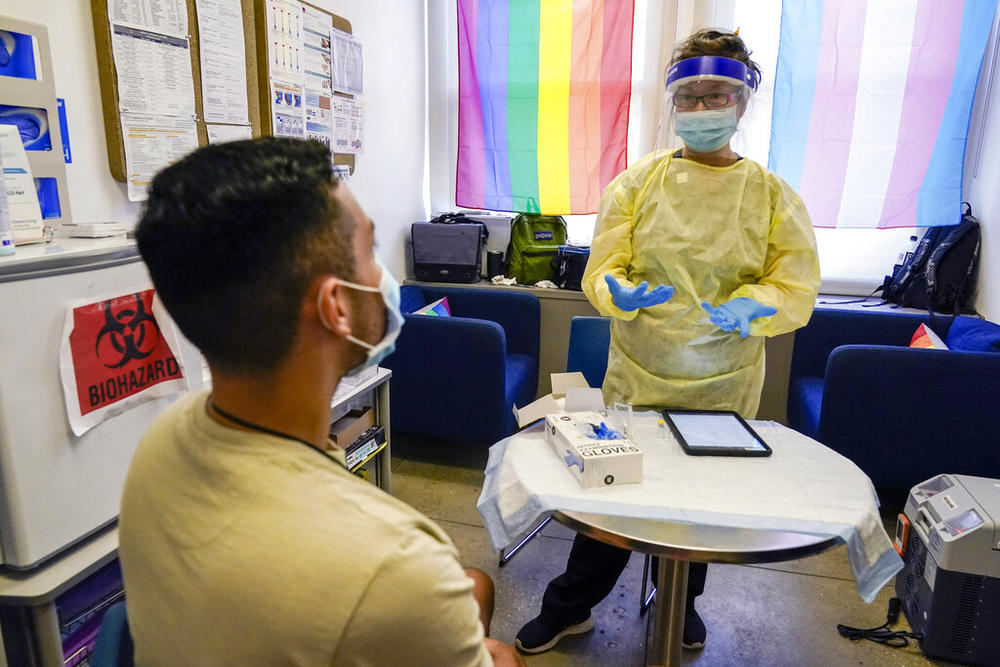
(448,249)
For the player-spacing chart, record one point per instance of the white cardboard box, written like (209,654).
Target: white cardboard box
(593,462)
(570,393)
(563,381)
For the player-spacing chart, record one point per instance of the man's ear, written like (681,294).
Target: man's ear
(332,308)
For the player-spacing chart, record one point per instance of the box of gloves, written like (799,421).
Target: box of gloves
(595,453)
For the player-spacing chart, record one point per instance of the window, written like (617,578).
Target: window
(853,261)
(890,154)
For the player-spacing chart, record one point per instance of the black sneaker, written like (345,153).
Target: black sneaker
(694,630)
(537,636)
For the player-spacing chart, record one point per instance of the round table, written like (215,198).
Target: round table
(674,513)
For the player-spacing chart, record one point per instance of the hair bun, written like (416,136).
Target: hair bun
(715,42)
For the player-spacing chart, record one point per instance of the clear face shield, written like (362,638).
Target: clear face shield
(704,100)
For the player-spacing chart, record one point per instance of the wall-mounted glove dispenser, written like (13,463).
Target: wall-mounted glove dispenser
(28,102)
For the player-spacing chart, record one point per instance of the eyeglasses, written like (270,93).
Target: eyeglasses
(711,100)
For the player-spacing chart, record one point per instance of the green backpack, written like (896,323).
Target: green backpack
(534,242)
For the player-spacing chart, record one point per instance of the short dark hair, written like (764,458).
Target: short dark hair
(233,234)
(712,42)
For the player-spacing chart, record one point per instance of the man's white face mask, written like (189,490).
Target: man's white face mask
(388,287)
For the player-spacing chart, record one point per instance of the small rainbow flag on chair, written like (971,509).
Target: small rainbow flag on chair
(543,90)
(872,100)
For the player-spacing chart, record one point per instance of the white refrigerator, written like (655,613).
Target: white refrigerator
(57,488)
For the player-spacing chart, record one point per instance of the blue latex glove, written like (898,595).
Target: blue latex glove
(27,126)
(736,314)
(634,298)
(573,460)
(605,432)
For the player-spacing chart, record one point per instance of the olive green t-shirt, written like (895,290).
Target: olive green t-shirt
(243,549)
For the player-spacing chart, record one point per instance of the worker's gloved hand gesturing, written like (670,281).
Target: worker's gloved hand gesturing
(634,298)
(736,314)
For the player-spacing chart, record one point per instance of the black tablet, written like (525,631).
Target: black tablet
(714,433)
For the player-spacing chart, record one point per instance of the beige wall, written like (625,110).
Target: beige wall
(557,311)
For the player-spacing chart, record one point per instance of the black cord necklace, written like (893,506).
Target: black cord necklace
(270,431)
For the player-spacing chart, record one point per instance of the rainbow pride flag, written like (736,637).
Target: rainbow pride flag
(872,100)
(543,97)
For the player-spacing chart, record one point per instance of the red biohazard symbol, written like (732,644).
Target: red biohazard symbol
(118,350)
(129,334)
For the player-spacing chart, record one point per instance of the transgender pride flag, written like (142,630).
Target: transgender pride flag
(872,101)
(543,96)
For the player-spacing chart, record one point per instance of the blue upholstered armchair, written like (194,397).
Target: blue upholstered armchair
(901,414)
(456,378)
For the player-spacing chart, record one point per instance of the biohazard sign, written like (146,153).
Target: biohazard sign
(115,355)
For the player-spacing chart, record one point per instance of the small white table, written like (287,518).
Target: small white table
(803,500)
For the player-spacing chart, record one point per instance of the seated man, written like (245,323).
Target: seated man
(244,539)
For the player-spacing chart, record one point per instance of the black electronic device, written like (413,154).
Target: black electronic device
(494,264)
(714,433)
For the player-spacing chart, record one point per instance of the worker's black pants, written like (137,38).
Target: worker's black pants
(592,569)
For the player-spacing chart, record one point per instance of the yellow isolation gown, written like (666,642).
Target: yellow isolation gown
(715,234)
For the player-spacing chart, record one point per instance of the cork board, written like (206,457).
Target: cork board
(263,85)
(109,79)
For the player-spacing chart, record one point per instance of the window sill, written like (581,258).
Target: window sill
(540,292)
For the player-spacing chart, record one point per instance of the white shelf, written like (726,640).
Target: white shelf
(540,292)
(64,255)
(381,375)
(61,573)
(872,304)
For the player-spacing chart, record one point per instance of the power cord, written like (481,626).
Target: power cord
(882,634)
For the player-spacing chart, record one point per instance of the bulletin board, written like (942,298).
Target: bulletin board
(109,80)
(264,73)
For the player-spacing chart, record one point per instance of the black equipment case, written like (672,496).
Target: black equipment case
(446,251)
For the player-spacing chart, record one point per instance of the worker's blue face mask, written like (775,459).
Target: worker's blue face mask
(388,287)
(706,131)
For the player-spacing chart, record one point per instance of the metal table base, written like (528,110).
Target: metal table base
(676,544)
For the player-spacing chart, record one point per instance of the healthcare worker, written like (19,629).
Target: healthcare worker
(698,254)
